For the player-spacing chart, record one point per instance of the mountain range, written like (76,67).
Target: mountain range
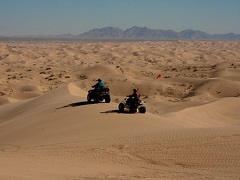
(154,34)
(135,33)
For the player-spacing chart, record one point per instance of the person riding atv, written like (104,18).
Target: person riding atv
(99,93)
(133,103)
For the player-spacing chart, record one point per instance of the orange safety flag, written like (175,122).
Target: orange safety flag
(159,76)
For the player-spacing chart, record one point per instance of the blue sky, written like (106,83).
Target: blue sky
(51,17)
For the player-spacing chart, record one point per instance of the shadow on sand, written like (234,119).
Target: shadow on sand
(117,111)
(83,103)
(111,111)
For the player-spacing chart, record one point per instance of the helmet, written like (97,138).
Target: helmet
(99,80)
(134,90)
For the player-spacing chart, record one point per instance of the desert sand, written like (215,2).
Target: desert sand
(191,129)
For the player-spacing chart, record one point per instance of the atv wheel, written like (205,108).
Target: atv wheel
(121,107)
(107,99)
(142,109)
(96,100)
(89,98)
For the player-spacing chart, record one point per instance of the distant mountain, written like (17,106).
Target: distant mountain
(192,34)
(154,34)
(131,33)
(107,32)
(146,33)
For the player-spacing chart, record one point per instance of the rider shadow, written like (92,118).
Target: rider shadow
(82,103)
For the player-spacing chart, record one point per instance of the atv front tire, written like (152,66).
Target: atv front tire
(142,109)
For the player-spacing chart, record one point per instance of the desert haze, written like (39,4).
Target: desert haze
(191,129)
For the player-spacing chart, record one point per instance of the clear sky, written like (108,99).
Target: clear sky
(52,17)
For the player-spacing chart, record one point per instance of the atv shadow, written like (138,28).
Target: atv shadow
(82,103)
(117,111)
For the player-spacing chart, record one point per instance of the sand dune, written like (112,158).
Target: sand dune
(222,113)
(48,130)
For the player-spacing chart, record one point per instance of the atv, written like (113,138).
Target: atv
(132,105)
(98,95)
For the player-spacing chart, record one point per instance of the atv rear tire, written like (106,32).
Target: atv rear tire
(107,99)
(121,107)
(89,98)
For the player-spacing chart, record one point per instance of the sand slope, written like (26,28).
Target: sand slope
(70,118)
(61,131)
(191,129)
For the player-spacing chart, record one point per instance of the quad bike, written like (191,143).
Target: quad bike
(132,105)
(98,95)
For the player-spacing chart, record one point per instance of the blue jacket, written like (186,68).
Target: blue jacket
(99,84)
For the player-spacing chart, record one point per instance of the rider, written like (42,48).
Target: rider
(134,97)
(99,85)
